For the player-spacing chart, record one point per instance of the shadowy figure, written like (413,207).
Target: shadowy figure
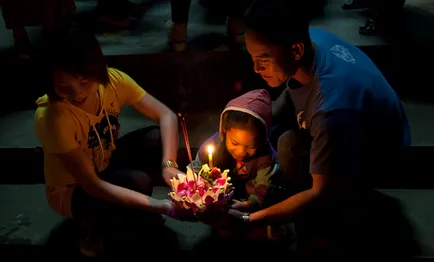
(180,14)
(49,14)
(385,15)
(118,13)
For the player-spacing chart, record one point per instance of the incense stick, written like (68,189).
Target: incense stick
(186,140)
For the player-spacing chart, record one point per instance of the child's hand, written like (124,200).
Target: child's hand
(181,213)
(240,205)
(212,215)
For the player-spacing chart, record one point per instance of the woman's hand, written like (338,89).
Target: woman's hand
(169,173)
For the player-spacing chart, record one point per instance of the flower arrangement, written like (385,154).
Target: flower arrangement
(198,190)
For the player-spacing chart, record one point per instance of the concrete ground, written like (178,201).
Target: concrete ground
(25,216)
(38,226)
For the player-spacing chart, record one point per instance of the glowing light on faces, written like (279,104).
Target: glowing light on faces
(241,144)
(75,89)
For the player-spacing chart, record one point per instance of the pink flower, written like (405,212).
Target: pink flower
(202,191)
(191,193)
(181,187)
(191,185)
(201,184)
(220,182)
(182,193)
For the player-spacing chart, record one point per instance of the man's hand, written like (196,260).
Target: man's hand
(237,219)
(238,215)
(169,173)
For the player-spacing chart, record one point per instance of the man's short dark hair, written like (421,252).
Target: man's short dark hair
(279,22)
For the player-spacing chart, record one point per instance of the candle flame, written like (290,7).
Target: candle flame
(210,149)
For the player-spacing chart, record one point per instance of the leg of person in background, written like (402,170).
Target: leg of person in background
(235,26)
(62,13)
(390,16)
(387,18)
(357,4)
(135,161)
(178,32)
(57,13)
(10,13)
(114,12)
(21,42)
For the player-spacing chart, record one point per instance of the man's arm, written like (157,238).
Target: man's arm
(335,154)
(258,188)
(79,164)
(288,209)
(157,111)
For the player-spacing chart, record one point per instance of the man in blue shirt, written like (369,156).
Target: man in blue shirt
(351,122)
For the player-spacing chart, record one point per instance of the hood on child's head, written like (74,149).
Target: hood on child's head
(257,103)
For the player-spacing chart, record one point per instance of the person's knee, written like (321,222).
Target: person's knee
(149,144)
(141,182)
(292,152)
(153,150)
(136,180)
(287,141)
(152,137)
(295,142)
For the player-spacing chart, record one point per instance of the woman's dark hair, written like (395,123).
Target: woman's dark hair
(279,22)
(75,51)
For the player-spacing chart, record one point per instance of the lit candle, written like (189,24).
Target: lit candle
(210,151)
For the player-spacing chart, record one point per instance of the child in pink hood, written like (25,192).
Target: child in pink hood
(242,146)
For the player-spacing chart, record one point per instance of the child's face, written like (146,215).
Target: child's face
(75,89)
(240,143)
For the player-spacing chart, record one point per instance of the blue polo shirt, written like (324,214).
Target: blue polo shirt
(351,112)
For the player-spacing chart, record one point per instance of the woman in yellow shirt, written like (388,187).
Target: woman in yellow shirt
(90,173)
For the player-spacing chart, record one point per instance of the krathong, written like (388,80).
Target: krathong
(195,191)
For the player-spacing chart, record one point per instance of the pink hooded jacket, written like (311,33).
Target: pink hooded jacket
(262,167)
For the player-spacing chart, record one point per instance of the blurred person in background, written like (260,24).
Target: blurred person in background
(180,15)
